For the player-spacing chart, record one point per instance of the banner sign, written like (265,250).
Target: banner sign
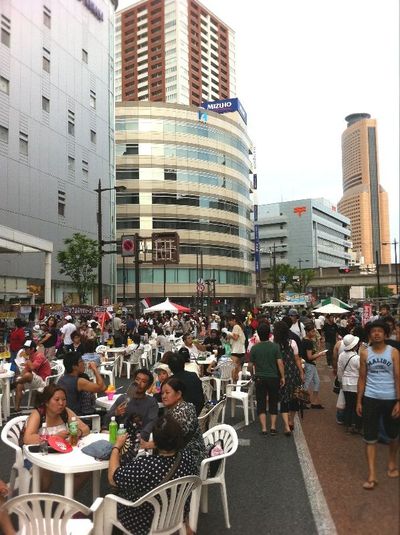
(366,313)
(257,249)
(226,106)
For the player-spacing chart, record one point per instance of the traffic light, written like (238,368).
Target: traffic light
(344,269)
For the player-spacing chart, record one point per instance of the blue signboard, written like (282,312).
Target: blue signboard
(255,181)
(225,106)
(255,212)
(257,249)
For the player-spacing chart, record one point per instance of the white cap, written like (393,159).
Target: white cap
(68,317)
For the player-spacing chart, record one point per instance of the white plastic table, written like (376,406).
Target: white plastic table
(104,403)
(71,463)
(5,378)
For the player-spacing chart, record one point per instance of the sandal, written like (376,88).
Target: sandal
(370,485)
(264,433)
(393,472)
(273,432)
(291,427)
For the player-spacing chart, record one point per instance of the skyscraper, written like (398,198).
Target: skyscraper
(173,51)
(184,171)
(364,200)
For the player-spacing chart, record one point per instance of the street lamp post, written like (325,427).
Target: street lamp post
(300,261)
(99,191)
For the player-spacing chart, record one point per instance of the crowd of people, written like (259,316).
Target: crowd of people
(281,352)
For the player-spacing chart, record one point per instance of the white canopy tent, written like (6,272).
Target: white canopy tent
(331,309)
(166,306)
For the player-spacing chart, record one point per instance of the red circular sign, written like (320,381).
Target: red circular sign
(128,245)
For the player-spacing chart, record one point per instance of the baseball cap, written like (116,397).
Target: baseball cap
(68,317)
(293,312)
(164,367)
(30,343)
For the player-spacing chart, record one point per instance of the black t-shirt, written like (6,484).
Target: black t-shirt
(194,389)
(330,331)
(308,344)
(297,339)
(51,342)
(393,343)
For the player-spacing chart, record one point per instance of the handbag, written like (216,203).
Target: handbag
(301,394)
(337,385)
(101,450)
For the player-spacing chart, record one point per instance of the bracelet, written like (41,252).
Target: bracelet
(116,448)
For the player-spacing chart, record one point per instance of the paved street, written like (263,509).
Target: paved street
(268,492)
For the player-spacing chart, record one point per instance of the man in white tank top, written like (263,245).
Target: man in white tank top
(378,395)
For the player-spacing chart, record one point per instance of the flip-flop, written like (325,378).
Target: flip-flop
(394,472)
(370,485)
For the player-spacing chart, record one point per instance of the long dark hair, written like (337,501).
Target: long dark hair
(281,335)
(48,392)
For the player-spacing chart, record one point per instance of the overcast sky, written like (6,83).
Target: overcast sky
(302,66)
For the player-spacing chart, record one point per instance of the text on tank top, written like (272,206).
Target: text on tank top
(380,375)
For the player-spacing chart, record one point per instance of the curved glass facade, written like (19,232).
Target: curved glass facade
(176,181)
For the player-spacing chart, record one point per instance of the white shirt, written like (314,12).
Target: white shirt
(298,328)
(67,330)
(349,377)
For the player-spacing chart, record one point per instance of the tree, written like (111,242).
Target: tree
(373,292)
(305,276)
(79,261)
(282,277)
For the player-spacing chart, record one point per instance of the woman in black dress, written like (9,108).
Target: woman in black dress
(294,375)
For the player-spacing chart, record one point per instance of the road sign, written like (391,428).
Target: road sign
(165,248)
(128,246)
(200,285)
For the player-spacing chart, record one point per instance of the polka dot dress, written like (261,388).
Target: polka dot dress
(139,477)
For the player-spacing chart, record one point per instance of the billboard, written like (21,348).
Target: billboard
(225,106)
(257,249)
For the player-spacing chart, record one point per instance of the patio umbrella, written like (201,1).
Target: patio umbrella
(331,309)
(167,306)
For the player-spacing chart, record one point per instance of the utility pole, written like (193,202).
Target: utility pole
(100,242)
(276,297)
(378,278)
(137,276)
(396,271)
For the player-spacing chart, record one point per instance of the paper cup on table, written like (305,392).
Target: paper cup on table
(110,395)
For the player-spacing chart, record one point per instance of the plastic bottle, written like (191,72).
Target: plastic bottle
(43,445)
(73,431)
(121,430)
(113,429)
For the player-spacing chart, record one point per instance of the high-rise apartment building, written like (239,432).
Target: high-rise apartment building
(364,200)
(173,51)
(56,129)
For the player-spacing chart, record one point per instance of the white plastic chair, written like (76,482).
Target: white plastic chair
(229,437)
(20,476)
(215,416)
(207,386)
(1,409)
(109,370)
(57,371)
(235,393)
(133,360)
(225,368)
(51,514)
(168,501)
(145,358)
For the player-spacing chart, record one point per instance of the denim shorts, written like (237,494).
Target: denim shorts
(311,377)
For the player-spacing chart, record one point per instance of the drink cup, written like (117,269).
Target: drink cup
(110,395)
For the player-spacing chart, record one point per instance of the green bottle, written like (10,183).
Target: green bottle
(113,429)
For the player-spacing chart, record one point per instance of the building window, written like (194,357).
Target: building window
(5,30)
(4,85)
(47,16)
(85,170)
(93,136)
(45,104)
(23,143)
(85,56)
(71,163)
(3,134)
(93,100)
(46,60)
(71,123)
(5,37)
(61,203)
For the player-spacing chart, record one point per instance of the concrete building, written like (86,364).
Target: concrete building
(56,128)
(193,178)
(306,233)
(173,51)
(364,200)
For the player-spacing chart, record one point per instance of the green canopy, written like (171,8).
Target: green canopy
(337,302)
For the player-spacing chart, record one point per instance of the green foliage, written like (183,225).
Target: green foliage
(79,260)
(305,276)
(373,292)
(282,271)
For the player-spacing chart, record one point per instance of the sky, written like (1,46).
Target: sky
(302,67)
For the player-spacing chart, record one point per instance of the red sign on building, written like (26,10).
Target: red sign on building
(299,210)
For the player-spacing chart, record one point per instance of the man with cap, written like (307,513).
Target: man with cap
(378,396)
(163,372)
(348,370)
(36,369)
(297,327)
(66,330)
